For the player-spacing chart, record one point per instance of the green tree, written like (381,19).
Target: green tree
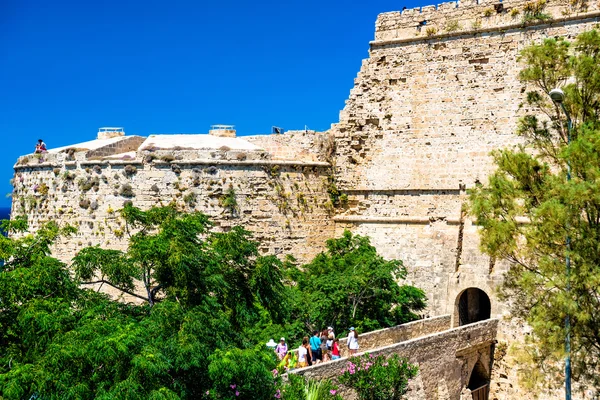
(529,208)
(350,284)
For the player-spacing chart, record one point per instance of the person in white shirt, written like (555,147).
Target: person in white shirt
(303,353)
(352,341)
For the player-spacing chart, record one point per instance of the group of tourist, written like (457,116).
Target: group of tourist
(320,347)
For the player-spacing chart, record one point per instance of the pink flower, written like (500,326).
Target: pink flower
(237,393)
(333,392)
(278,394)
(233,386)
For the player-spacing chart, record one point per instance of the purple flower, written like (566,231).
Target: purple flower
(333,392)
(237,393)
(233,386)
(278,394)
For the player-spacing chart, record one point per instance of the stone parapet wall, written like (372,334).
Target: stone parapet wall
(471,16)
(282,202)
(445,360)
(305,145)
(400,333)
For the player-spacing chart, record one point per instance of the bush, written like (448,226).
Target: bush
(378,377)
(298,388)
(243,374)
(129,170)
(126,190)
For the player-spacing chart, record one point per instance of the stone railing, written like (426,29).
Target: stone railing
(400,333)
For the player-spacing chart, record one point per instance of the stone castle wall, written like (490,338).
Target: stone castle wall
(283,202)
(438,92)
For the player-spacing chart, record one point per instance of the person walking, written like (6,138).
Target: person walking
(335,349)
(303,353)
(330,331)
(352,341)
(324,348)
(281,349)
(315,347)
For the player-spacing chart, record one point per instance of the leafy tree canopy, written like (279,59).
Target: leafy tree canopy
(532,215)
(351,285)
(206,299)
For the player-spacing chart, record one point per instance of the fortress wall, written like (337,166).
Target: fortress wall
(417,130)
(281,202)
(456,17)
(305,145)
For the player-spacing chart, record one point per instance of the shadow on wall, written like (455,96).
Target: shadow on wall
(472,305)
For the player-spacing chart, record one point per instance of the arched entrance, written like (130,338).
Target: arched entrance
(479,382)
(473,305)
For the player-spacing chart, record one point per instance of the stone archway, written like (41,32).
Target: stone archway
(472,305)
(479,382)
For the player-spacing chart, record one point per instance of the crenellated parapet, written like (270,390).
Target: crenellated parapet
(466,17)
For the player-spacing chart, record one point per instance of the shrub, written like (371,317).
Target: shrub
(56,171)
(431,31)
(241,156)
(97,169)
(245,374)
(167,158)
(176,168)
(42,189)
(229,202)
(378,378)
(190,198)
(129,170)
(154,188)
(453,26)
(85,184)
(126,190)
(299,388)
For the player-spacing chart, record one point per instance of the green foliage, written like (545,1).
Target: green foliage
(534,11)
(209,299)
(242,373)
(529,208)
(299,388)
(229,201)
(378,378)
(351,285)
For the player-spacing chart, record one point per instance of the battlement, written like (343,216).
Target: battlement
(471,16)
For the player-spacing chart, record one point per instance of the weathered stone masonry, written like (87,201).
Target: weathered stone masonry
(438,92)
(284,202)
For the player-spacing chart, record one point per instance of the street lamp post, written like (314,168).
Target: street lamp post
(558,97)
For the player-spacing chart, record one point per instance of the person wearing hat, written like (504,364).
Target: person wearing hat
(281,349)
(330,331)
(352,341)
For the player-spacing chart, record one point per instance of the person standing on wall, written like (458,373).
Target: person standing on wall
(40,147)
(315,347)
(352,341)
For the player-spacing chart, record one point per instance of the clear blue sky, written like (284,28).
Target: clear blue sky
(69,67)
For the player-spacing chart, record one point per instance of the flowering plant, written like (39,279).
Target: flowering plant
(378,377)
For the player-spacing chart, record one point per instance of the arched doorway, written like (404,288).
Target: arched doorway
(479,382)
(473,305)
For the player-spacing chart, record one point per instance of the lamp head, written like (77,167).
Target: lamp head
(557,95)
